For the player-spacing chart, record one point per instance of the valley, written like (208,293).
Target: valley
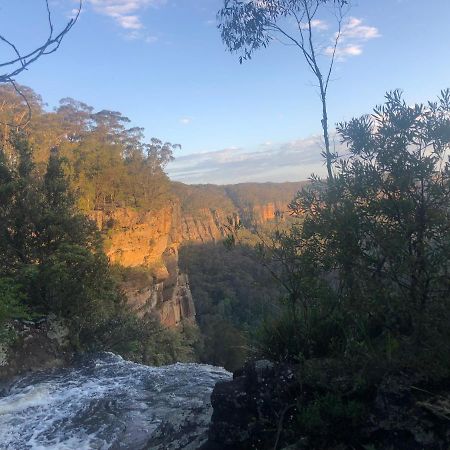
(151,240)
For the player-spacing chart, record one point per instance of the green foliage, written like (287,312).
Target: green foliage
(51,255)
(249,26)
(11,306)
(52,262)
(197,198)
(232,199)
(142,339)
(371,256)
(330,414)
(109,164)
(232,294)
(288,337)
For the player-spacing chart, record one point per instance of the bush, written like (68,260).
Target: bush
(367,265)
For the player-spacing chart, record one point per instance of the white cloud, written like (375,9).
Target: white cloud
(345,50)
(130,22)
(317,24)
(354,29)
(353,35)
(185,120)
(289,161)
(126,13)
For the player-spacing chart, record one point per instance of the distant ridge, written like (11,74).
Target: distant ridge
(232,197)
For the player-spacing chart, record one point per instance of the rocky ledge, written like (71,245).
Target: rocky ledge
(273,406)
(38,345)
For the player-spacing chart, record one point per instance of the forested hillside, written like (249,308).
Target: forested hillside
(63,168)
(107,161)
(55,168)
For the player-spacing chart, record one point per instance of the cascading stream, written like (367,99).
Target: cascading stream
(109,403)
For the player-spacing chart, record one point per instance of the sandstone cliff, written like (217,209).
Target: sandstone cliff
(151,239)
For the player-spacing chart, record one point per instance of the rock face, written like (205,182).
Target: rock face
(151,239)
(259,409)
(205,226)
(137,238)
(247,409)
(37,346)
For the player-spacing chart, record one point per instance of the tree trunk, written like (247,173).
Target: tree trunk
(326,136)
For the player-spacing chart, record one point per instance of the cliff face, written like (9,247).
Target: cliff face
(205,225)
(194,214)
(136,238)
(151,240)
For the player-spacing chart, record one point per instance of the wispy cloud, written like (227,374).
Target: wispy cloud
(353,35)
(317,24)
(289,161)
(127,14)
(185,120)
(354,29)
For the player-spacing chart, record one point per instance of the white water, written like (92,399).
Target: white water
(109,403)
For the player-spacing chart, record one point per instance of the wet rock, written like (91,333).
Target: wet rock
(247,409)
(36,346)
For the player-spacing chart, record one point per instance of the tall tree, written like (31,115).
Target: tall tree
(247,26)
(377,263)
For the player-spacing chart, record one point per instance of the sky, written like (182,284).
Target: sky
(162,64)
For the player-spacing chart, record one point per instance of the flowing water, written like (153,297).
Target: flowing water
(109,403)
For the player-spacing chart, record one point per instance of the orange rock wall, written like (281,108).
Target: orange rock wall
(152,239)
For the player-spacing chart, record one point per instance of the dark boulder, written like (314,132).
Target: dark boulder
(248,408)
(275,406)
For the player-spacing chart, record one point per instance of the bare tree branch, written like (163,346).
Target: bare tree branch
(20,63)
(51,44)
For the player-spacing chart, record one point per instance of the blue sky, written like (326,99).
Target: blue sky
(162,63)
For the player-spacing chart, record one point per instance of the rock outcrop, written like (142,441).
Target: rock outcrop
(205,226)
(273,406)
(247,409)
(149,239)
(37,346)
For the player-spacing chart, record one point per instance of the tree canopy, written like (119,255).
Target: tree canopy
(109,162)
(247,26)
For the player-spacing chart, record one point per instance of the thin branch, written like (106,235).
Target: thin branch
(308,57)
(23,61)
(333,56)
(49,46)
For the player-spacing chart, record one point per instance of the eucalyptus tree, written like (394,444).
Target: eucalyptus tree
(248,25)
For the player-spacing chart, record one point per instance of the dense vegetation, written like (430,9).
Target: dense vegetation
(234,198)
(53,170)
(109,164)
(97,163)
(370,259)
(367,270)
(233,294)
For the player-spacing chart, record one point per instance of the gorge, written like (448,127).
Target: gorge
(194,215)
(102,401)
